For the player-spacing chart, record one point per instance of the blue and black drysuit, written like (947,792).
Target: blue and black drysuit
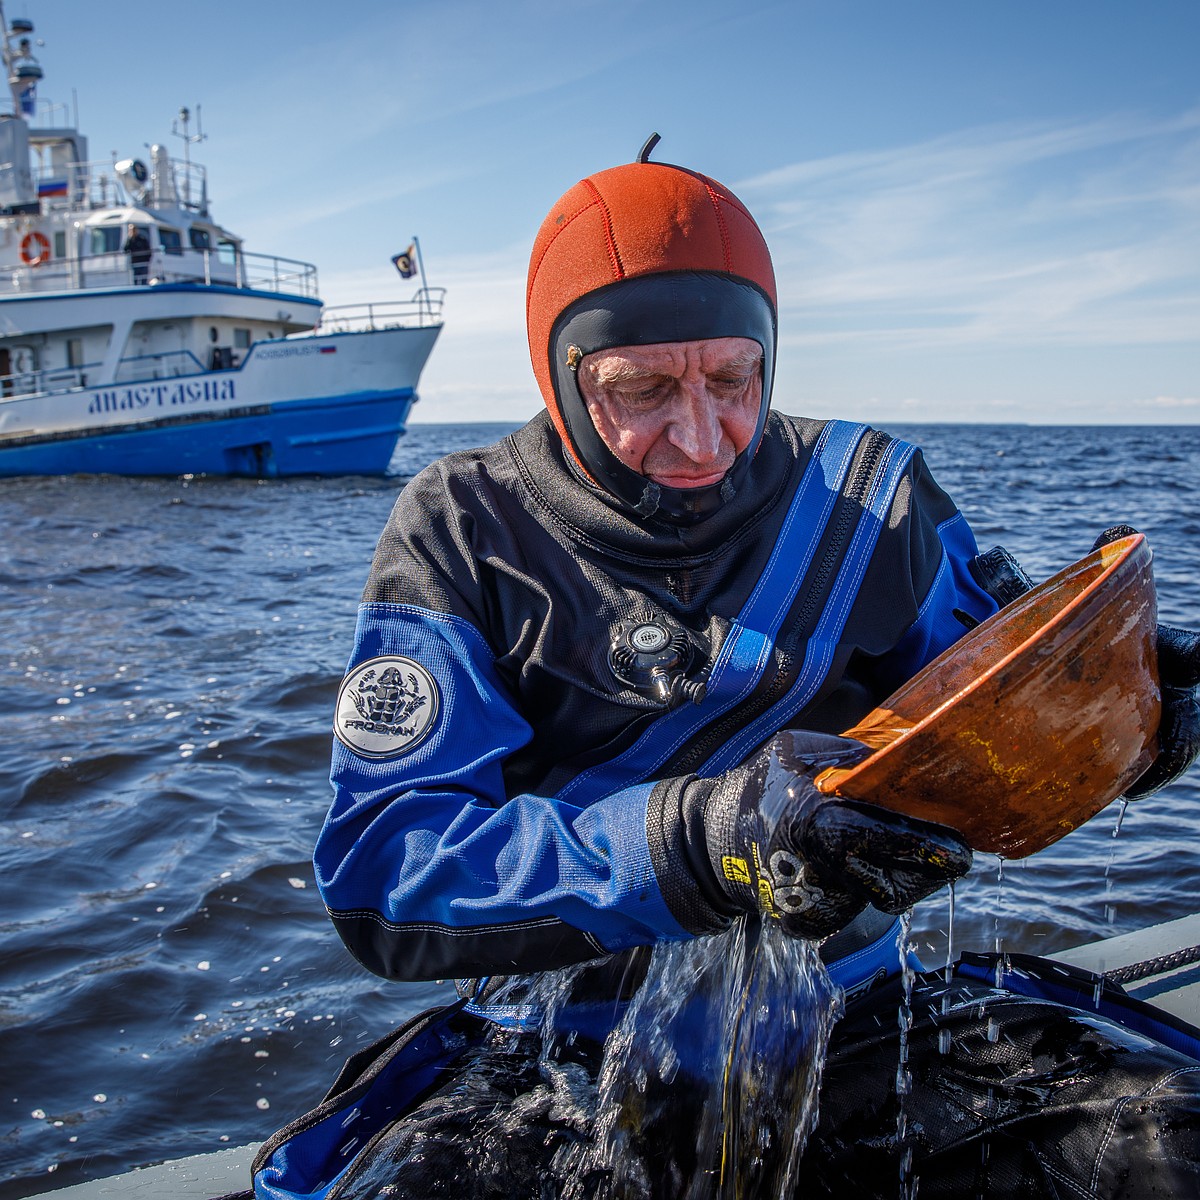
(536,818)
(506,802)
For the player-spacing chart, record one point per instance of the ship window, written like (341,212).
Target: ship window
(170,240)
(227,252)
(199,238)
(74,352)
(60,243)
(106,239)
(241,339)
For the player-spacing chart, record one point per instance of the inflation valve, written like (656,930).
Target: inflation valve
(653,654)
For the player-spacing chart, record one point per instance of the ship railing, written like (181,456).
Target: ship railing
(260,272)
(267,272)
(33,383)
(165,364)
(135,368)
(425,308)
(96,185)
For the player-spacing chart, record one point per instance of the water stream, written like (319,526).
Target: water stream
(707,1087)
(733,1027)
(1110,908)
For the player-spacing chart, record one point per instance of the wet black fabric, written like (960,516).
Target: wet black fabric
(1031,1098)
(503,1125)
(1005,1096)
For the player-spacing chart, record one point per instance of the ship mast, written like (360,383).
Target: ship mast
(184,117)
(20,66)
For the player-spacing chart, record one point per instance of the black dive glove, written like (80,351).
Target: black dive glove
(1179,724)
(778,846)
(1179,675)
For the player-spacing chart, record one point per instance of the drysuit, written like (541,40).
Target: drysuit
(525,815)
(491,839)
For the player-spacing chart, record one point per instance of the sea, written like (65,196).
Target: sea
(169,982)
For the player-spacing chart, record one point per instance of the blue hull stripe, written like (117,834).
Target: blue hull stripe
(747,650)
(818,654)
(336,435)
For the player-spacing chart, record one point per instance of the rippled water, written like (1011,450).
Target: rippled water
(168,980)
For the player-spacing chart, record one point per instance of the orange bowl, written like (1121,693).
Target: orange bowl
(1032,722)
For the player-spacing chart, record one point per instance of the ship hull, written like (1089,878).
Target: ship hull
(319,405)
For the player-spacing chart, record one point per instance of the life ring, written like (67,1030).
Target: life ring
(31,255)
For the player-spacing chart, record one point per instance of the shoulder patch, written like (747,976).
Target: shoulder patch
(386,707)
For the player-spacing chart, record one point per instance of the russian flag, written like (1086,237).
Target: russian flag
(52,187)
(328,349)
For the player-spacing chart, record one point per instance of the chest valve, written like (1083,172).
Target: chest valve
(653,655)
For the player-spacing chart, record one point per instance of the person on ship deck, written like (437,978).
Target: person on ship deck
(586,657)
(137,246)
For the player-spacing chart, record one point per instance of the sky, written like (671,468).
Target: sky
(977,212)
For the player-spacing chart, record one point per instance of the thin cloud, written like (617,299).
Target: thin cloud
(1169,402)
(1079,234)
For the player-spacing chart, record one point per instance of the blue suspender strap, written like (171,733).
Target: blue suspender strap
(747,650)
(818,654)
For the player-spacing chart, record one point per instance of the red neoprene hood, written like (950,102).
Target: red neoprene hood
(638,254)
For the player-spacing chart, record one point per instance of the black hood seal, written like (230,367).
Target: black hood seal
(678,306)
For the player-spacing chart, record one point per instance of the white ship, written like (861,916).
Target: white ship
(138,337)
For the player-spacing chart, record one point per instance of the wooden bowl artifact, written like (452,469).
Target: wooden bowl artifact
(1032,722)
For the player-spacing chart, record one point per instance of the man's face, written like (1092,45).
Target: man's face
(678,413)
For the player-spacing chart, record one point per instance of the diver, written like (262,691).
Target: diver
(635,628)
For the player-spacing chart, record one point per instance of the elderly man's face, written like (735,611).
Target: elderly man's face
(678,413)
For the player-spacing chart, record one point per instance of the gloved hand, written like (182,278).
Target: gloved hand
(1179,724)
(778,846)
(1179,675)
